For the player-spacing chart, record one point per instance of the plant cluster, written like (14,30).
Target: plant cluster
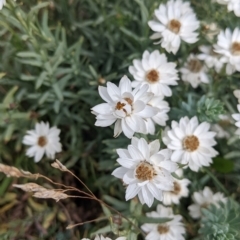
(154,154)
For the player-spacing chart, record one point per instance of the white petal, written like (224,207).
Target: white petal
(155,192)
(133,122)
(154,147)
(126,129)
(113,91)
(168,165)
(104,122)
(119,172)
(117,128)
(104,94)
(123,153)
(135,153)
(132,191)
(127,162)
(147,196)
(30,139)
(39,154)
(103,108)
(143,147)
(148,112)
(203,127)
(177,155)
(138,106)
(125,85)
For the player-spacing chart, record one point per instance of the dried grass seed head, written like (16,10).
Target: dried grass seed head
(57,164)
(30,187)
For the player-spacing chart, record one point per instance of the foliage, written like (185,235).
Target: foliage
(222,222)
(209,109)
(53,57)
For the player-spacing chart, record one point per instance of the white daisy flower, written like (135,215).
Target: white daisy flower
(192,143)
(179,190)
(228,45)
(154,70)
(211,58)
(42,139)
(2,3)
(203,199)
(161,117)
(232,5)
(175,21)
(194,71)
(236,117)
(101,237)
(220,132)
(222,126)
(146,170)
(126,107)
(172,230)
(210,30)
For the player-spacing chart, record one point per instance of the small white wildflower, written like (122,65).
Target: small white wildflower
(42,139)
(220,132)
(126,107)
(173,229)
(146,170)
(154,70)
(228,45)
(222,126)
(203,199)
(192,143)
(194,71)
(232,5)
(211,58)
(179,190)
(2,3)
(210,30)
(175,21)
(161,117)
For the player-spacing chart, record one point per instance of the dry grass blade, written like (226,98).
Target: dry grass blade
(10,171)
(30,187)
(41,192)
(56,195)
(29,175)
(57,164)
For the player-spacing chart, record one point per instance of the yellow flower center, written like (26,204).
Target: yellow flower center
(42,141)
(205,205)
(145,171)
(191,143)
(174,26)
(120,105)
(129,101)
(235,49)
(153,76)
(176,188)
(194,65)
(162,229)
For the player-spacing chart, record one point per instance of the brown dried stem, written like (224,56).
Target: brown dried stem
(81,182)
(58,194)
(79,224)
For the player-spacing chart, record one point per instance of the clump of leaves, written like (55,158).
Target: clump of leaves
(209,109)
(221,223)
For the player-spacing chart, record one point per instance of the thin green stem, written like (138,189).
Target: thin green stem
(217,182)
